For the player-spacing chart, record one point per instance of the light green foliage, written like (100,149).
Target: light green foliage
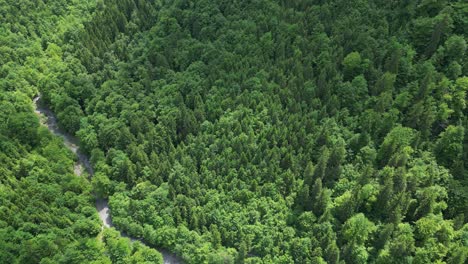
(357,229)
(449,147)
(352,64)
(120,250)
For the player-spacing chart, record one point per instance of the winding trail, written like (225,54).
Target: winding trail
(71,142)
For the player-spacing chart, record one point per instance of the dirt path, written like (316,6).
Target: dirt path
(71,142)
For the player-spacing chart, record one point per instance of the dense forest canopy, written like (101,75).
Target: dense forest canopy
(254,131)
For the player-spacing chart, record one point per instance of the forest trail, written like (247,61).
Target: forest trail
(71,142)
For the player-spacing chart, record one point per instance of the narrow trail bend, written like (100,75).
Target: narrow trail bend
(71,142)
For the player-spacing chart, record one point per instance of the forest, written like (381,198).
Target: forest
(241,131)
